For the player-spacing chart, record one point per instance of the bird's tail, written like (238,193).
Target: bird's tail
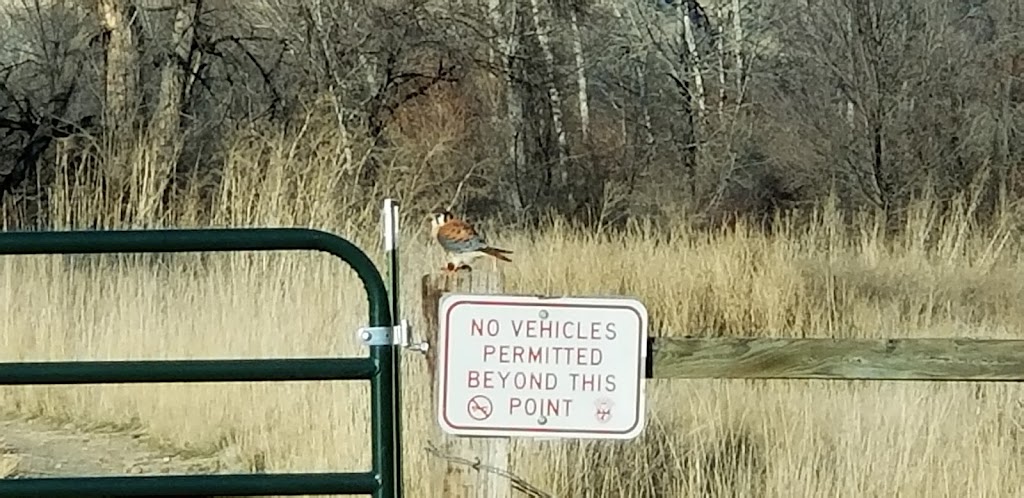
(497,253)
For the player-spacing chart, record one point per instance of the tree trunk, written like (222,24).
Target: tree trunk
(165,126)
(121,90)
(122,78)
(560,178)
(694,59)
(868,54)
(720,47)
(167,118)
(737,47)
(691,89)
(508,48)
(643,154)
(581,77)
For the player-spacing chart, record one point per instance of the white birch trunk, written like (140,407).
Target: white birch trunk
(721,49)
(581,77)
(737,46)
(494,14)
(691,47)
(851,111)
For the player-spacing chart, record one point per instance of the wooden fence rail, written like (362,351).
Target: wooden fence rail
(837,359)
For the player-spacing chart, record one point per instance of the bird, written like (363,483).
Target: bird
(461,242)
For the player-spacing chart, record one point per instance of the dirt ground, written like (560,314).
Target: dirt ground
(35,449)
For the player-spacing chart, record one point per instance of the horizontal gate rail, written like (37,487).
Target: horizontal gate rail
(118,372)
(380,368)
(195,485)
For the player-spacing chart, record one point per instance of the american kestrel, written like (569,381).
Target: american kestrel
(461,242)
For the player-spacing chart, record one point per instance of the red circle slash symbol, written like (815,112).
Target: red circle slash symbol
(603,411)
(480,408)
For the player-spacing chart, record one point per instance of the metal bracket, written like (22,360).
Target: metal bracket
(398,335)
(402,331)
(420,347)
(376,336)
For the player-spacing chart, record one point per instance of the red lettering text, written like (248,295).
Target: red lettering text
(552,329)
(548,407)
(478,327)
(491,379)
(546,355)
(593,382)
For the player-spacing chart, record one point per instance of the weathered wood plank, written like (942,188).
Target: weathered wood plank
(853,359)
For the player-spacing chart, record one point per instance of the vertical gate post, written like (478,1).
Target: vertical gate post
(388,417)
(384,423)
(487,478)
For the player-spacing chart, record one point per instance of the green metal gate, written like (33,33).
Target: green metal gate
(381,368)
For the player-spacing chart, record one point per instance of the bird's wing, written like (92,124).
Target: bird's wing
(459,236)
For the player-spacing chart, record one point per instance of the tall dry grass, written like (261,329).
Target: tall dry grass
(938,276)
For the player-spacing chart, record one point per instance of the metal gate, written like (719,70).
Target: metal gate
(381,368)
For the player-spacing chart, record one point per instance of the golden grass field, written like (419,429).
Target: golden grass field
(933,278)
(936,276)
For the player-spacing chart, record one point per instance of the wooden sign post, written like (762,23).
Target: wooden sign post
(473,467)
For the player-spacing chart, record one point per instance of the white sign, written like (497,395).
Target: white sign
(541,367)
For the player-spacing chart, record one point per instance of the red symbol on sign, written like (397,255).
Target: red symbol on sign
(603,413)
(480,407)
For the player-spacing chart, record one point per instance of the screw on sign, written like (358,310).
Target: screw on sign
(603,410)
(480,407)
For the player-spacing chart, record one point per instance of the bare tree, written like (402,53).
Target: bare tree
(572,106)
(540,19)
(121,57)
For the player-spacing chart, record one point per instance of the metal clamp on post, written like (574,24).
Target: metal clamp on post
(386,336)
(398,335)
(401,333)
(376,336)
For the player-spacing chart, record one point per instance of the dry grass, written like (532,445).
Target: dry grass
(935,277)
(9,461)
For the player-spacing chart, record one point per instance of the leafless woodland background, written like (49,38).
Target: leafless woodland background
(592,109)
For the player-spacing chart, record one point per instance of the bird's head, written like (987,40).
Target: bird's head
(439,218)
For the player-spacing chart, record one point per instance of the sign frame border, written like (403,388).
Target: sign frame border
(450,300)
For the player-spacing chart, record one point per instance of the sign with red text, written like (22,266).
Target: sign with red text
(527,366)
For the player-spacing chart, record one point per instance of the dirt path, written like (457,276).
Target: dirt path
(35,449)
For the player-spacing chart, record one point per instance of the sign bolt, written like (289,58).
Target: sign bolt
(543,314)
(542,420)
(365,335)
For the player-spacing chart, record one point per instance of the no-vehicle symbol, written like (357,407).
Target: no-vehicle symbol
(480,407)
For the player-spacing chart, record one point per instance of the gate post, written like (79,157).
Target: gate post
(386,389)
(488,476)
